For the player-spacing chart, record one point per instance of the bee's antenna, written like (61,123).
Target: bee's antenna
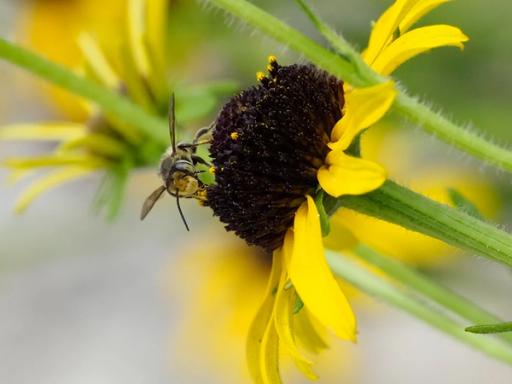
(181,212)
(172,122)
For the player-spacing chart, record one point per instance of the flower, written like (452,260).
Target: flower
(274,146)
(127,56)
(225,280)
(265,177)
(51,27)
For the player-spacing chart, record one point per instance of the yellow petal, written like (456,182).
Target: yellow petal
(97,61)
(156,33)
(269,357)
(50,181)
(97,143)
(53,160)
(363,108)
(283,312)
(312,278)
(420,9)
(136,35)
(415,42)
(261,321)
(43,131)
(348,175)
(384,27)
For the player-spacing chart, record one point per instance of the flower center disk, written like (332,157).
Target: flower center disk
(267,146)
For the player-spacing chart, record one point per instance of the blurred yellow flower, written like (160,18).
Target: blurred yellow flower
(51,27)
(124,53)
(221,285)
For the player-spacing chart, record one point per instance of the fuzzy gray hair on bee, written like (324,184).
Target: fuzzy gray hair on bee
(178,168)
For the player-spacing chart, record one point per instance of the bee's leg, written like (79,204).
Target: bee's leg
(199,160)
(204,134)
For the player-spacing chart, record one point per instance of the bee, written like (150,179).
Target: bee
(178,168)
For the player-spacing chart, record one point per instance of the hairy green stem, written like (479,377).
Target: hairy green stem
(347,64)
(110,102)
(413,279)
(383,290)
(411,210)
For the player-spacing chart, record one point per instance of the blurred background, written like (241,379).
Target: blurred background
(85,299)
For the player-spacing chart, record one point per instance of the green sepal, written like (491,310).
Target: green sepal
(324,217)
(462,202)
(299,304)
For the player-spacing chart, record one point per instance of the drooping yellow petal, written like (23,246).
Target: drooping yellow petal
(283,312)
(415,42)
(269,356)
(363,108)
(348,175)
(17,175)
(97,61)
(312,278)
(43,131)
(385,26)
(261,321)
(48,182)
(420,9)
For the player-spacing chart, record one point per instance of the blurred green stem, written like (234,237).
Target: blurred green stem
(110,102)
(349,66)
(383,290)
(420,283)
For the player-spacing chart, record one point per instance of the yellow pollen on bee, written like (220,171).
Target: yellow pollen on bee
(270,68)
(211,170)
(260,76)
(234,135)
(272,59)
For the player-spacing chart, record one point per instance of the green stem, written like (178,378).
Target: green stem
(377,287)
(430,289)
(351,68)
(411,210)
(110,102)
(455,135)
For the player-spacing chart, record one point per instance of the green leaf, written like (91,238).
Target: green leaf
(490,328)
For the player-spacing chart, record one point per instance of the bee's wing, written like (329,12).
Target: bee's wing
(150,201)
